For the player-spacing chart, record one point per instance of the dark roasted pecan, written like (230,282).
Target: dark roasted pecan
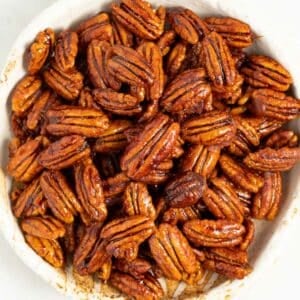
(210,233)
(137,268)
(265,72)
(121,35)
(282,138)
(180,215)
(176,59)
(64,152)
(114,186)
(165,42)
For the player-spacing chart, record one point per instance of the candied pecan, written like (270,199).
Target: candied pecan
(137,200)
(69,241)
(114,186)
(67,120)
(245,198)
(214,233)
(64,152)
(24,165)
(105,270)
(185,95)
(59,195)
(124,235)
(265,72)
(39,51)
(268,159)
(249,236)
(49,250)
(236,33)
(240,174)
(86,99)
(282,138)
(274,105)
(264,126)
(176,59)
(117,103)
(172,252)
(89,190)
(121,35)
(266,202)
(136,268)
(180,215)
(233,263)
(66,50)
(45,227)
(200,159)
(222,201)
(148,288)
(67,84)
(25,93)
(160,174)
(212,128)
(139,18)
(165,41)
(95,28)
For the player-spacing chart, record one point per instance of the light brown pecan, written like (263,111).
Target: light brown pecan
(121,35)
(266,202)
(264,126)
(64,152)
(165,41)
(148,288)
(282,138)
(236,33)
(39,51)
(176,59)
(26,92)
(105,270)
(49,250)
(67,120)
(222,201)
(187,24)
(274,105)
(265,72)
(214,233)
(117,103)
(95,28)
(66,50)
(137,268)
(172,252)
(67,84)
(45,227)
(24,165)
(124,235)
(114,186)
(249,236)
(240,175)
(59,195)
(200,159)
(139,18)
(212,128)
(185,95)
(89,190)
(151,147)
(232,263)
(138,201)
(268,159)
(180,215)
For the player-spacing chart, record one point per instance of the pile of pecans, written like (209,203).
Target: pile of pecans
(146,141)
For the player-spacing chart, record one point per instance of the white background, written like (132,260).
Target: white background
(17,282)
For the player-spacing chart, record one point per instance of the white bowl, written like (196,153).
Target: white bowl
(274,41)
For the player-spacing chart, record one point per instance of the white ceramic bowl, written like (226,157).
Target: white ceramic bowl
(274,41)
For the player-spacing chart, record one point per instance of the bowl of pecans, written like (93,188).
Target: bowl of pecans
(149,150)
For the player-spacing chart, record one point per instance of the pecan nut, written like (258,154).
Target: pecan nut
(137,268)
(264,126)
(121,35)
(180,215)
(282,138)
(165,41)
(249,236)
(176,59)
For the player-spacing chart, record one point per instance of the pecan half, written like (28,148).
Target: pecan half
(137,268)
(282,138)
(165,41)
(249,236)
(69,240)
(264,126)
(180,215)
(121,35)
(210,233)
(172,252)
(176,59)
(64,152)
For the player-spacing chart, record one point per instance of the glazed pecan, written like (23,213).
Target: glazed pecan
(200,159)
(24,165)
(117,103)
(249,236)
(176,59)
(275,105)
(121,35)
(68,120)
(245,198)
(69,240)
(236,33)
(86,99)
(45,227)
(282,138)
(268,159)
(124,235)
(165,41)
(148,288)
(266,202)
(59,195)
(186,94)
(64,152)
(49,250)
(222,201)
(139,18)
(212,128)
(26,92)
(89,190)
(137,268)
(180,215)
(172,252)
(265,72)
(264,126)
(240,175)
(233,263)
(39,50)
(214,233)
(114,186)
(137,200)
(159,174)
